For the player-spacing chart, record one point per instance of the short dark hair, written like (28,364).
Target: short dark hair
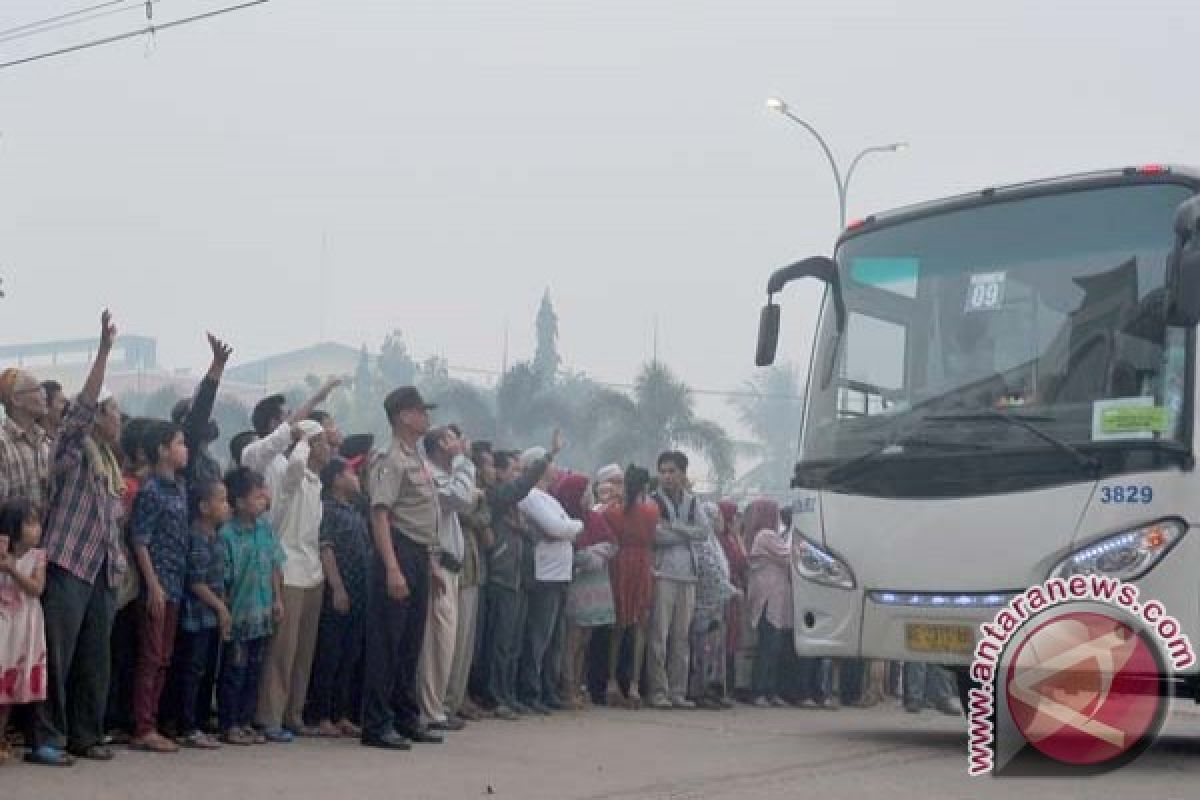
(673,457)
(51,388)
(433,440)
(319,417)
(478,449)
(180,410)
(241,481)
(501,459)
(13,513)
(159,434)
(240,442)
(133,438)
(457,430)
(199,493)
(266,411)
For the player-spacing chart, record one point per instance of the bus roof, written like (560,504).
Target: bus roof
(1126,176)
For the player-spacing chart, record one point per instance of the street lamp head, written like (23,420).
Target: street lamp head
(777,104)
(896,147)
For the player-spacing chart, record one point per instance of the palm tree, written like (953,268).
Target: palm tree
(771,408)
(659,415)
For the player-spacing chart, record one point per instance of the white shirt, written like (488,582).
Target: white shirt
(554,554)
(266,457)
(456,495)
(299,513)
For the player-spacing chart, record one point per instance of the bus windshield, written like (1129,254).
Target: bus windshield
(1047,308)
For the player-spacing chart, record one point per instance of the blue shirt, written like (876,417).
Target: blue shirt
(206,565)
(344,530)
(252,554)
(160,524)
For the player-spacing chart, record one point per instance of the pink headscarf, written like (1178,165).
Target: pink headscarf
(762,515)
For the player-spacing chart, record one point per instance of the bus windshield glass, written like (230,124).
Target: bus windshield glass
(1047,308)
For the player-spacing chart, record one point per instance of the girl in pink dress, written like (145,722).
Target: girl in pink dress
(22,632)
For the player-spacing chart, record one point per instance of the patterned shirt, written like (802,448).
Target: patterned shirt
(24,463)
(205,564)
(252,554)
(83,529)
(344,530)
(160,524)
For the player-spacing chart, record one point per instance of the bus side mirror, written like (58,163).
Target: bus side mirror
(768,335)
(1183,267)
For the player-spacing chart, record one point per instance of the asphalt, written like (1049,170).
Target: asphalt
(618,755)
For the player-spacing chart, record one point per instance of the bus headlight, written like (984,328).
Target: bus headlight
(814,563)
(1128,555)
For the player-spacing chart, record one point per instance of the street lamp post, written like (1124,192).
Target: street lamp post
(843,183)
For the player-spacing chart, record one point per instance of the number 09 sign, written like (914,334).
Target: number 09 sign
(986,291)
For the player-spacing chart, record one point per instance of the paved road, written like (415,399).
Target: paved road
(613,755)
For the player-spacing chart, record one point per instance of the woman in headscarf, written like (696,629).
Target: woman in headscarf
(713,592)
(590,598)
(730,535)
(633,522)
(770,597)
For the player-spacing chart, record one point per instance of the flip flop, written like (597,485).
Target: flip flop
(48,756)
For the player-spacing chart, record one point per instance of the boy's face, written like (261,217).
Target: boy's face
(216,508)
(176,455)
(348,482)
(254,504)
(487,469)
(669,477)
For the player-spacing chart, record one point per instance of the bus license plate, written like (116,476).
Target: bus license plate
(923,638)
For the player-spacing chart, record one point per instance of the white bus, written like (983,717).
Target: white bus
(1001,389)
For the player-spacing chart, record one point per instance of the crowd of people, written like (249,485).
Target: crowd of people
(329,585)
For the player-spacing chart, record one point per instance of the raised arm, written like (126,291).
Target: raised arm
(195,424)
(310,405)
(259,455)
(550,519)
(95,379)
(458,491)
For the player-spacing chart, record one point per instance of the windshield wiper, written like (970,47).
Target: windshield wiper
(1083,460)
(899,436)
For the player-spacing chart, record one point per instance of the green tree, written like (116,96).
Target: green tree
(771,407)
(658,415)
(546,360)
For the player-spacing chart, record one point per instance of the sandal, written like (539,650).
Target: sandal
(237,737)
(153,742)
(93,752)
(349,729)
(256,735)
(328,730)
(199,740)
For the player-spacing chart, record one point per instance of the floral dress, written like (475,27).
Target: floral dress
(22,637)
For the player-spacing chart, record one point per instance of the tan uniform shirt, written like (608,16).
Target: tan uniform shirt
(402,483)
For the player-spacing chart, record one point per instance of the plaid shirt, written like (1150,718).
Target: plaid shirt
(160,524)
(83,530)
(205,564)
(24,464)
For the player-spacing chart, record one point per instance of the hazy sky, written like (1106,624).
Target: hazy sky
(459,156)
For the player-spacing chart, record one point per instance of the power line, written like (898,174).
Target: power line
(60,17)
(72,21)
(149,29)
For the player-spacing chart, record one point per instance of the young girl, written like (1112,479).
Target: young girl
(770,597)
(633,522)
(22,632)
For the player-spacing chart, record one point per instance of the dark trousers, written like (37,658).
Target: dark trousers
(851,672)
(79,619)
(194,653)
(237,686)
(503,622)
(541,657)
(395,633)
(767,657)
(123,647)
(477,685)
(156,645)
(340,641)
(597,664)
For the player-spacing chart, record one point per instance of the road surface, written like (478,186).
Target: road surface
(618,755)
